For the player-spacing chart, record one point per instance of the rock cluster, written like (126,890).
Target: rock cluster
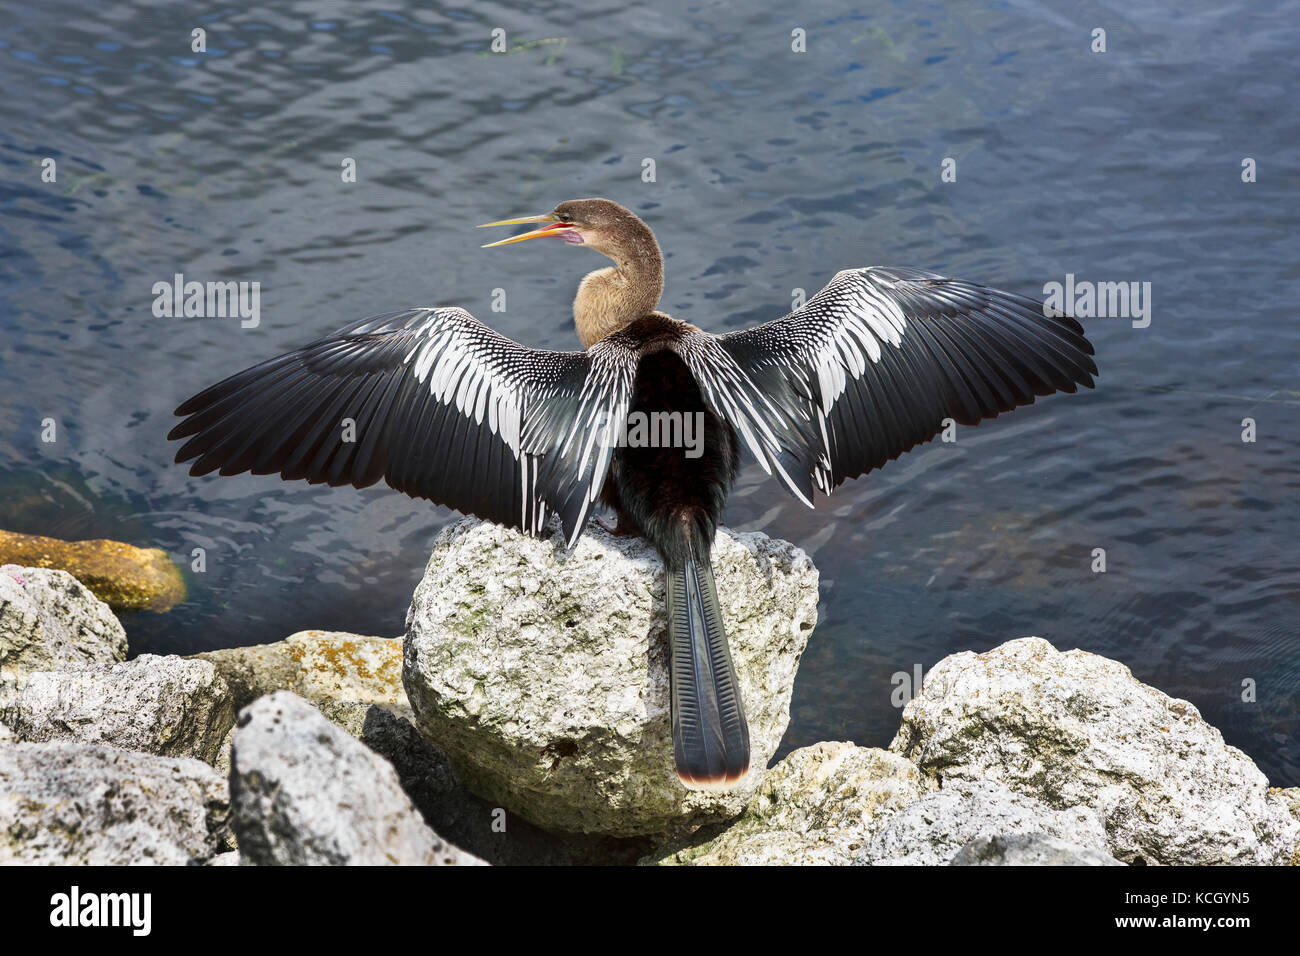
(536,688)
(110,761)
(1074,729)
(1020,755)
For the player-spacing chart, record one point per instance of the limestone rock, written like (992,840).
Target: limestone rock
(304,792)
(77,803)
(1029,849)
(464,819)
(159,705)
(318,666)
(542,675)
(355,681)
(124,577)
(820,805)
(49,620)
(934,829)
(1290,798)
(1075,729)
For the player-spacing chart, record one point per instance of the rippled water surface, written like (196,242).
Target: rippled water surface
(774,170)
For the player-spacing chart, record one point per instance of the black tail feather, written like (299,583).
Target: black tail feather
(710,735)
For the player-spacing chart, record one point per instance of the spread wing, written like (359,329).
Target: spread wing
(874,363)
(435,403)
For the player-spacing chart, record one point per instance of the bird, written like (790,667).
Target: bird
(446,408)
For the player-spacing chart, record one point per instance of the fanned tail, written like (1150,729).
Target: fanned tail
(710,735)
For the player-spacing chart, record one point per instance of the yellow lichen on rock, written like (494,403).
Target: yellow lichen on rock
(124,577)
(349,666)
(319,665)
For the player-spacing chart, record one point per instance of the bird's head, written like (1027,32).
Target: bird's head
(598,224)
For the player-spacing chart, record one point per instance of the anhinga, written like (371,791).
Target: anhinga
(447,409)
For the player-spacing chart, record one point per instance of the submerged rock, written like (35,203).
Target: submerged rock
(542,675)
(820,805)
(304,792)
(932,830)
(1075,729)
(124,577)
(49,620)
(77,803)
(1029,849)
(159,705)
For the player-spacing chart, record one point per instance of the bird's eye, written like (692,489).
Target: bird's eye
(566,217)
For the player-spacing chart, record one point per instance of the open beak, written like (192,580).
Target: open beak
(553,227)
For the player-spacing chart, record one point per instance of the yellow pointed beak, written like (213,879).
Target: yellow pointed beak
(553,227)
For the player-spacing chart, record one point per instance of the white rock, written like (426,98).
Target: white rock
(820,805)
(159,705)
(932,830)
(1029,849)
(76,803)
(304,792)
(49,620)
(1290,798)
(1076,729)
(318,666)
(542,675)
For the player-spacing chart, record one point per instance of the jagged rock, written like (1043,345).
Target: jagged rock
(1029,849)
(124,577)
(77,803)
(222,762)
(819,805)
(304,792)
(542,675)
(1074,729)
(355,681)
(932,830)
(466,820)
(162,705)
(159,705)
(49,620)
(1290,798)
(317,666)
(230,858)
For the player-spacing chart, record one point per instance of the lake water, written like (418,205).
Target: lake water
(773,170)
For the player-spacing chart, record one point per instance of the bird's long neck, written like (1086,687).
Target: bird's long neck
(612,298)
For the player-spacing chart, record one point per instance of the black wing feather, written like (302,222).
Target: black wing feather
(872,365)
(444,408)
